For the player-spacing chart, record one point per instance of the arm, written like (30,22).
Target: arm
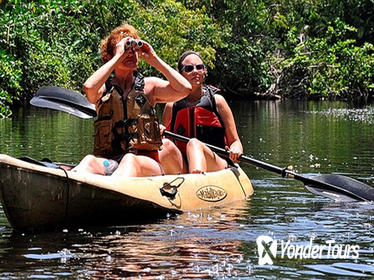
(166,115)
(175,88)
(166,118)
(233,140)
(95,84)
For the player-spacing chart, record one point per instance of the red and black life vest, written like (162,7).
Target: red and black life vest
(201,121)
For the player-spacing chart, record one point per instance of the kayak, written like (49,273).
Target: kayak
(39,197)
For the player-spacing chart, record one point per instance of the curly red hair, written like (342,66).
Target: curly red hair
(109,43)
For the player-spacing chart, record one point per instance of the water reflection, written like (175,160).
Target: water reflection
(287,133)
(315,137)
(197,245)
(41,133)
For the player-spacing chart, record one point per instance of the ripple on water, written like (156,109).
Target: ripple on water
(358,115)
(63,255)
(220,243)
(340,270)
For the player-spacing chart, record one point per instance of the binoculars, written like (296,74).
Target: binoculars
(132,43)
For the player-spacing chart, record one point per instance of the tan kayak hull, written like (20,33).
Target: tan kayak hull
(37,197)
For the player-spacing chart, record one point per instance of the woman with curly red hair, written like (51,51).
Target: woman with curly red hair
(127,130)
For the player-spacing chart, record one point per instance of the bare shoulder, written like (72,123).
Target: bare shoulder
(155,82)
(152,85)
(220,100)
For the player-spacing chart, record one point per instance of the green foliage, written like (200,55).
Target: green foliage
(56,42)
(243,61)
(10,77)
(330,63)
(297,47)
(41,37)
(285,47)
(172,29)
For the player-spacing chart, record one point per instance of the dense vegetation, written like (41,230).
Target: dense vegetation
(291,48)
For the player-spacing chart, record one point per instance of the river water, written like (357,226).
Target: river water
(313,137)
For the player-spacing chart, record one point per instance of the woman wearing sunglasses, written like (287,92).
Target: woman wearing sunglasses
(203,116)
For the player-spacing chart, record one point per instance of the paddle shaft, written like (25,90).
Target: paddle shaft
(284,172)
(73,103)
(225,153)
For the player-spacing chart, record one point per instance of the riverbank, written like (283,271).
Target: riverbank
(303,48)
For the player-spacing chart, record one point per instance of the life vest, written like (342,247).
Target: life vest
(125,124)
(201,121)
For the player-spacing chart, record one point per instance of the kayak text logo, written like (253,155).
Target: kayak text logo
(267,250)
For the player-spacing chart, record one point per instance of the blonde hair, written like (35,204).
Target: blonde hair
(108,44)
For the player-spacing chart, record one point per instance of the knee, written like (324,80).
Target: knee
(89,163)
(193,144)
(167,144)
(168,147)
(128,158)
(88,159)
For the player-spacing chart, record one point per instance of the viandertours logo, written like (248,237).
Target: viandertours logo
(267,249)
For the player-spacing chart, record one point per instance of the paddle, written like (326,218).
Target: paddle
(336,187)
(65,100)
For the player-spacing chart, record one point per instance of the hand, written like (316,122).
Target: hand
(146,52)
(162,129)
(235,153)
(120,47)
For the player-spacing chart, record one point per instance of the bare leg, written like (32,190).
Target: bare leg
(137,166)
(202,159)
(171,158)
(91,164)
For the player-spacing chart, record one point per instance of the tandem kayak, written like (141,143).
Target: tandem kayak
(36,197)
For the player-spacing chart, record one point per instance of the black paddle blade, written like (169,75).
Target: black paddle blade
(353,190)
(59,106)
(336,187)
(64,100)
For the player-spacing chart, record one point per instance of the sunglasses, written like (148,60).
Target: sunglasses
(189,67)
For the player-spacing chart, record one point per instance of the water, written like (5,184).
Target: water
(313,137)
